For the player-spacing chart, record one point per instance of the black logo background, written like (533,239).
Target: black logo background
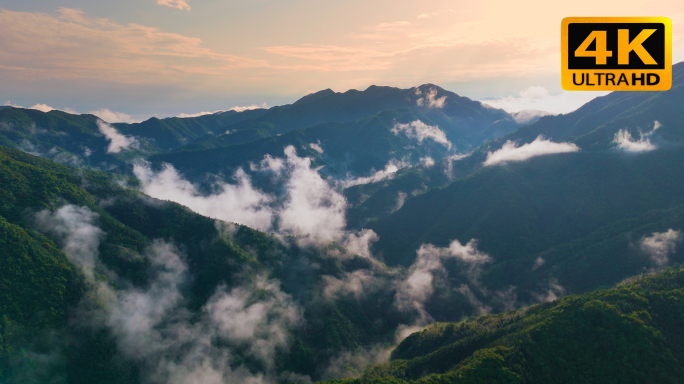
(655,45)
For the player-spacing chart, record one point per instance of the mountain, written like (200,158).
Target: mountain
(446,108)
(78,140)
(628,334)
(173,132)
(356,130)
(102,283)
(359,147)
(592,127)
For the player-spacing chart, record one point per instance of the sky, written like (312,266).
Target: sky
(138,58)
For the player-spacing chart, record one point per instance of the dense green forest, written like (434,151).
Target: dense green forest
(628,334)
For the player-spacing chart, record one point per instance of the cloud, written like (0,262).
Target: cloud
(40,107)
(240,203)
(539,147)
(43,108)
(417,287)
(449,164)
(236,109)
(401,199)
(153,328)
(528,116)
(76,231)
(480,307)
(360,242)
(113,117)
(427,161)
(179,4)
(626,142)
(391,168)
(430,100)
(71,45)
(117,141)
(538,98)
(263,324)
(660,245)
(552,292)
(54,154)
(357,283)
(353,364)
(316,147)
(311,207)
(419,131)
(423,16)
(104,113)
(538,262)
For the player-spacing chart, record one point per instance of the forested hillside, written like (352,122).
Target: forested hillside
(77,249)
(628,334)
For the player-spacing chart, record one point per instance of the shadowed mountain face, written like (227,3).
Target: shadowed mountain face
(356,131)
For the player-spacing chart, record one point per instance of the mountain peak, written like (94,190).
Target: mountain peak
(315,96)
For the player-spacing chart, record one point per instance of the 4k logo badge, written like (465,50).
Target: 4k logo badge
(616,54)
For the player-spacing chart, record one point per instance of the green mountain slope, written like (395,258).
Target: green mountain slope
(45,293)
(628,334)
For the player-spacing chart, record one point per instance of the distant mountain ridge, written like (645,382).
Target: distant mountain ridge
(333,119)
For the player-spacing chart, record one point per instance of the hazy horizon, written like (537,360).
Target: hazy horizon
(171,57)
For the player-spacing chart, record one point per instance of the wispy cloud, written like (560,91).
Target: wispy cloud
(510,151)
(552,292)
(660,245)
(240,203)
(419,131)
(430,99)
(391,168)
(73,45)
(153,328)
(236,109)
(113,117)
(43,108)
(179,4)
(627,143)
(75,227)
(417,288)
(309,207)
(117,141)
(316,147)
